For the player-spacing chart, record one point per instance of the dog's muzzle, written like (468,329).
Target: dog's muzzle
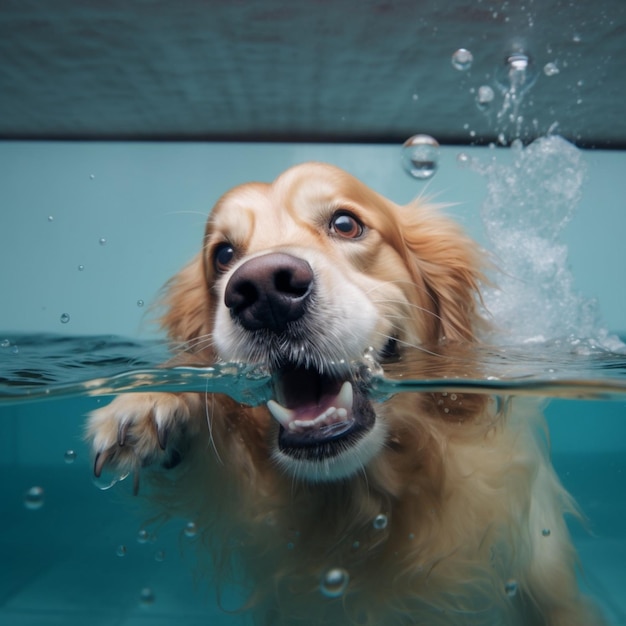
(320,413)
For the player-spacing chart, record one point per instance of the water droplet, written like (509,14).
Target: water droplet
(121,550)
(420,156)
(146,596)
(92,176)
(191,530)
(143,536)
(159,556)
(334,582)
(551,69)
(484,97)
(34,498)
(102,241)
(69,456)
(462,59)
(453,397)
(510,587)
(415,97)
(546,532)
(380,522)
(65,318)
(5,343)
(577,38)
(51,218)
(140,303)
(463,159)
(108,479)
(81,268)
(356,545)
(15,349)
(411,536)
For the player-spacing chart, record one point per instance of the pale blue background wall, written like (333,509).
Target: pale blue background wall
(149,201)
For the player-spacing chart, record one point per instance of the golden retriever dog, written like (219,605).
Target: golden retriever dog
(339,506)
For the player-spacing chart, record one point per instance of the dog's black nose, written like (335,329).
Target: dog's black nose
(269,291)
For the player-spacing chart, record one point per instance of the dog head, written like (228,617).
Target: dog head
(305,276)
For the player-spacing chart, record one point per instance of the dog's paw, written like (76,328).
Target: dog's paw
(137,430)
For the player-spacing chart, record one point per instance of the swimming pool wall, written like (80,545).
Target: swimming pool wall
(90,229)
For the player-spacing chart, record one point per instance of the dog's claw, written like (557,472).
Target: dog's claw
(99,462)
(122,431)
(163,433)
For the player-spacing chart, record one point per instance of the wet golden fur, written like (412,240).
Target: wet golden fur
(464,481)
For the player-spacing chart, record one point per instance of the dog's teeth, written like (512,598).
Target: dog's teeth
(345,397)
(281,414)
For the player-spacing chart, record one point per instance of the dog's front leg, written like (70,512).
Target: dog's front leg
(140,429)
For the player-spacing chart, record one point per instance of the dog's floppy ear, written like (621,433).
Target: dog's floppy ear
(187,301)
(448,263)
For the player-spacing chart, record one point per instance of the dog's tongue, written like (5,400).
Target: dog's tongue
(307,400)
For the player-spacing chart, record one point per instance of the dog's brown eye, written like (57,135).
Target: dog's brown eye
(223,256)
(346,225)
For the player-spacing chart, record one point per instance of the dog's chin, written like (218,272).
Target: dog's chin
(327,427)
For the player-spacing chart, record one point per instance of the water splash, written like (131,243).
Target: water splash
(514,78)
(529,202)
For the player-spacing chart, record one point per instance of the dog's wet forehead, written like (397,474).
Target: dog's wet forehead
(257,214)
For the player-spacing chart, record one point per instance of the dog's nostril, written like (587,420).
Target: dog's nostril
(289,282)
(269,291)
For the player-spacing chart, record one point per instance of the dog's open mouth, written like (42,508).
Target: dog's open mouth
(319,414)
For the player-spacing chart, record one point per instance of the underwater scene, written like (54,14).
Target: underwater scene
(83,549)
(89,537)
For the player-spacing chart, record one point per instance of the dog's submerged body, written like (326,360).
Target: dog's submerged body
(428,508)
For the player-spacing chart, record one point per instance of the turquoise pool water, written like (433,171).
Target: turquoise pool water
(90,233)
(76,551)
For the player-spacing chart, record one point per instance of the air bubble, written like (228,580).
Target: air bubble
(420,156)
(510,588)
(159,556)
(380,522)
(191,530)
(463,159)
(81,268)
(5,343)
(34,498)
(143,536)
(546,532)
(92,176)
(334,582)
(65,318)
(551,69)
(462,60)
(146,596)
(102,241)
(51,218)
(484,96)
(121,550)
(69,457)
(140,303)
